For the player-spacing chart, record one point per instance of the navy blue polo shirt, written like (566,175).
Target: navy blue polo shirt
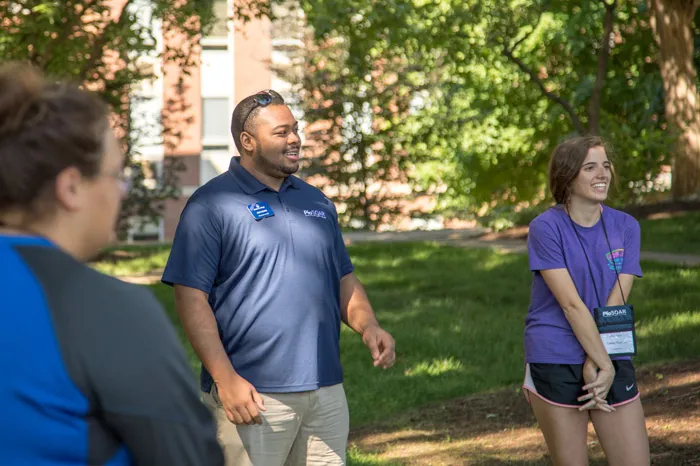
(271,263)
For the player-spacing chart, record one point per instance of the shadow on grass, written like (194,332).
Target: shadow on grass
(458,317)
(499,428)
(662,454)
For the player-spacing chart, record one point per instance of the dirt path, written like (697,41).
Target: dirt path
(514,241)
(498,428)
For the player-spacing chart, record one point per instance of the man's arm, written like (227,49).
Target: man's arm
(239,398)
(355,308)
(356,311)
(200,326)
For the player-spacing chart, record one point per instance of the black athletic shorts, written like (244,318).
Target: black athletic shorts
(561,384)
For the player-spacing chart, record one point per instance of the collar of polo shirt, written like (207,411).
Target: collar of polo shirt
(250,184)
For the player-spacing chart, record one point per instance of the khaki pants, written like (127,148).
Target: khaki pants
(298,429)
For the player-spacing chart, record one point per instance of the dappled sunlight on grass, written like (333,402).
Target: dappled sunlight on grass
(357,458)
(684,229)
(454,309)
(661,327)
(667,310)
(458,318)
(435,367)
(130,260)
(471,305)
(527,444)
(671,337)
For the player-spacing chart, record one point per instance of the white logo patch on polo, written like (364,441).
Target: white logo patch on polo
(315,213)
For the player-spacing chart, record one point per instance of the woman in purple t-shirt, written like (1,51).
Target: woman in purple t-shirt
(583,256)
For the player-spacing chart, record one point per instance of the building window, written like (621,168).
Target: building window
(217,89)
(215,120)
(220,26)
(217,96)
(217,72)
(214,161)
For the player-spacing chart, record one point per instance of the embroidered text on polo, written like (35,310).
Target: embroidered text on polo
(315,213)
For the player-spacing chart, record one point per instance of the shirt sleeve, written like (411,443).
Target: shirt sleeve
(196,252)
(147,394)
(341,251)
(632,244)
(122,353)
(544,247)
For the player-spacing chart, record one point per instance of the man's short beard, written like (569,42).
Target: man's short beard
(267,166)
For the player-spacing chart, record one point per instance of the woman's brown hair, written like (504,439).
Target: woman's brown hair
(566,162)
(45,127)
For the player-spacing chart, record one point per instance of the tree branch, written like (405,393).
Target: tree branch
(603,56)
(101,42)
(70,22)
(524,38)
(566,105)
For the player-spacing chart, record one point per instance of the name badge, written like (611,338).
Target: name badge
(616,327)
(260,210)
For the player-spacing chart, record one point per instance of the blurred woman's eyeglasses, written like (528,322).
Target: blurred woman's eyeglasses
(124,178)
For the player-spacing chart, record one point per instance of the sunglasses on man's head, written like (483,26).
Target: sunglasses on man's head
(261,99)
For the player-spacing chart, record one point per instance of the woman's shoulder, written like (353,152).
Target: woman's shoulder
(549,217)
(548,224)
(620,217)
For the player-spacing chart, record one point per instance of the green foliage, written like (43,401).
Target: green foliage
(359,89)
(496,85)
(108,51)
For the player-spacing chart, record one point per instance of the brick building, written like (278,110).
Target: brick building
(234,62)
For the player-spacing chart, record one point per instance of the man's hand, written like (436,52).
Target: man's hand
(381,346)
(240,400)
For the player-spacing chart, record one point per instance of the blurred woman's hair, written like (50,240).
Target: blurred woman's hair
(45,127)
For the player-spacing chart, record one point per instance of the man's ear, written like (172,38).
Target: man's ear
(247,141)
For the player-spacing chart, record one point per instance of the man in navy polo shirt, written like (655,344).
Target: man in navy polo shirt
(262,282)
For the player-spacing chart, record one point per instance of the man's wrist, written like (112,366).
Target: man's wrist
(370,325)
(222,373)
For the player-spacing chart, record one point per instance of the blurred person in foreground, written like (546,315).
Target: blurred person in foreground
(92,369)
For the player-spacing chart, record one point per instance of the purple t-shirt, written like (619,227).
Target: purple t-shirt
(552,244)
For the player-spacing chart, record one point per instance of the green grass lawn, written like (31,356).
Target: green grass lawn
(132,259)
(679,234)
(458,314)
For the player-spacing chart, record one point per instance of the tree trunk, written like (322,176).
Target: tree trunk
(671,22)
(603,56)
